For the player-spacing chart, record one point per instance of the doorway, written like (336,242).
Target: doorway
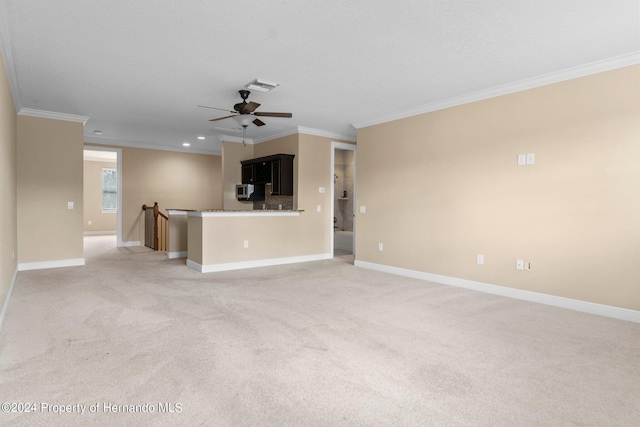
(343,197)
(102,198)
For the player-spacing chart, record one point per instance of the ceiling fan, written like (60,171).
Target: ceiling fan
(244,112)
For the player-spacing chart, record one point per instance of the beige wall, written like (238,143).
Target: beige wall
(441,187)
(195,239)
(232,154)
(8,185)
(177,239)
(314,165)
(311,231)
(174,180)
(49,176)
(284,145)
(100,222)
(221,239)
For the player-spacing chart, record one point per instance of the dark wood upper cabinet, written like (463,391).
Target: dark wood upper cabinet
(276,170)
(263,172)
(248,173)
(282,176)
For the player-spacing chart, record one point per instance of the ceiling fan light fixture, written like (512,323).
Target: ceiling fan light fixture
(243,120)
(261,85)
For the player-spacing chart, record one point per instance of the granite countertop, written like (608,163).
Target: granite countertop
(237,210)
(250,210)
(202,213)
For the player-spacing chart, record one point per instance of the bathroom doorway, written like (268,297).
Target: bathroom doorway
(343,198)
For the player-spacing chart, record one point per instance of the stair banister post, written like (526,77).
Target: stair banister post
(156,211)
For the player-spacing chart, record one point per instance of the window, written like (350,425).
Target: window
(109,190)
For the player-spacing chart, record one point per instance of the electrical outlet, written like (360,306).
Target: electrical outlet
(321,190)
(246,244)
(69,205)
(319,208)
(363,209)
(519,264)
(480,259)
(380,247)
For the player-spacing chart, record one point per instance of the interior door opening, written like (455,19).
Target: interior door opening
(102,198)
(343,198)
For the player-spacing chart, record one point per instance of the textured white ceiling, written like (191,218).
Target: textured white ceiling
(138,68)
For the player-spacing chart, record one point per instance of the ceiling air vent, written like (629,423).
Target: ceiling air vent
(261,85)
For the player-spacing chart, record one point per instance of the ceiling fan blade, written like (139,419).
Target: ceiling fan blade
(214,108)
(258,122)
(263,114)
(220,118)
(250,107)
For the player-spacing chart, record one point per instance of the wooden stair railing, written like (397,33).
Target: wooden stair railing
(156,228)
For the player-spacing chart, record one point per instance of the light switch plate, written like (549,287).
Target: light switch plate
(321,189)
(319,208)
(530,158)
(521,159)
(363,209)
(246,244)
(480,259)
(519,264)
(69,205)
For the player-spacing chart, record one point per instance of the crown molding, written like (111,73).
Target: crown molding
(147,146)
(306,131)
(326,134)
(521,85)
(238,139)
(53,115)
(273,136)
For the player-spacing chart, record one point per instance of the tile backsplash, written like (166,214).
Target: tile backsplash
(273,202)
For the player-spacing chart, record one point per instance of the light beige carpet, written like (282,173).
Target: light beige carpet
(313,344)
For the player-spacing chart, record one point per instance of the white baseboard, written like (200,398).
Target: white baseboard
(568,303)
(100,233)
(211,268)
(172,255)
(130,244)
(5,305)
(25,266)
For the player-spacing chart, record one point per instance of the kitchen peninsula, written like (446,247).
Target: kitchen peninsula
(220,240)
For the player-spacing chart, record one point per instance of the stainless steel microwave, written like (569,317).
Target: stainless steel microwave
(244,191)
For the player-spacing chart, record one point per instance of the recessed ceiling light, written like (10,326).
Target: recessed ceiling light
(261,85)
(186,144)
(201,137)
(97,132)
